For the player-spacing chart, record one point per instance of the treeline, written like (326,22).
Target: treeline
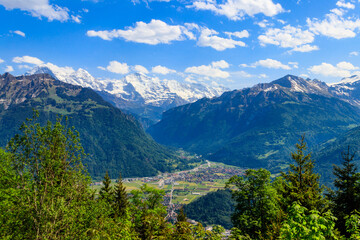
(45,194)
(294,205)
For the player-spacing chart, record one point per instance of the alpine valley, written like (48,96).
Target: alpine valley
(112,140)
(259,126)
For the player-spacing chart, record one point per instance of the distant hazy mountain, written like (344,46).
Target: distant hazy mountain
(137,93)
(114,141)
(258,126)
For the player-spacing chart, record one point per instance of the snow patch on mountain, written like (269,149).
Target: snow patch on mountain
(134,87)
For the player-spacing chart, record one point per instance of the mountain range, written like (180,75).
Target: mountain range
(259,126)
(113,141)
(136,93)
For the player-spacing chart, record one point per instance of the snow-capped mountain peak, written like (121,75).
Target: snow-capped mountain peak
(136,89)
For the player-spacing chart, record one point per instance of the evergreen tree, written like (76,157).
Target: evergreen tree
(106,190)
(181,217)
(300,182)
(346,197)
(256,203)
(121,202)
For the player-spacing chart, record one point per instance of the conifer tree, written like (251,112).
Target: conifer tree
(120,198)
(300,182)
(181,217)
(346,197)
(106,189)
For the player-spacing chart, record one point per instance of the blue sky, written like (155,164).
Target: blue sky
(237,43)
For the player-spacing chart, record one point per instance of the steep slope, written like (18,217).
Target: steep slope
(330,153)
(113,140)
(258,126)
(347,89)
(136,93)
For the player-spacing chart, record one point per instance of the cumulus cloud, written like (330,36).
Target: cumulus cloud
(38,8)
(241,74)
(344,4)
(238,9)
(220,64)
(152,33)
(342,69)
(241,34)
(1,60)
(289,37)
(271,63)
(354,53)
(213,70)
(162,70)
(141,69)
(27,59)
(20,33)
(9,69)
(209,38)
(117,67)
(334,26)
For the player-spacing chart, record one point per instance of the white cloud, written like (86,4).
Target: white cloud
(27,59)
(304,76)
(289,37)
(9,69)
(76,18)
(294,64)
(346,66)
(101,68)
(305,48)
(238,9)
(354,53)
(264,23)
(20,33)
(263,75)
(212,71)
(242,34)
(117,67)
(152,33)
(271,63)
(241,74)
(24,66)
(38,8)
(344,4)
(209,38)
(220,64)
(338,11)
(162,70)
(334,26)
(1,60)
(342,69)
(141,69)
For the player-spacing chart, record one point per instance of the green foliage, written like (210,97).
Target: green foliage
(181,217)
(213,208)
(256,203)
(353,225)
(112,140)
(46,183)
(346,198)
(106,190)
(301,183)
(300,225)
(121,202)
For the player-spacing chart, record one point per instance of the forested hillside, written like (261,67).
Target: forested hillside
(112,140)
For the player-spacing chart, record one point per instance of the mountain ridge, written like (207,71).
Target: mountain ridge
(137,93)
(113,140)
